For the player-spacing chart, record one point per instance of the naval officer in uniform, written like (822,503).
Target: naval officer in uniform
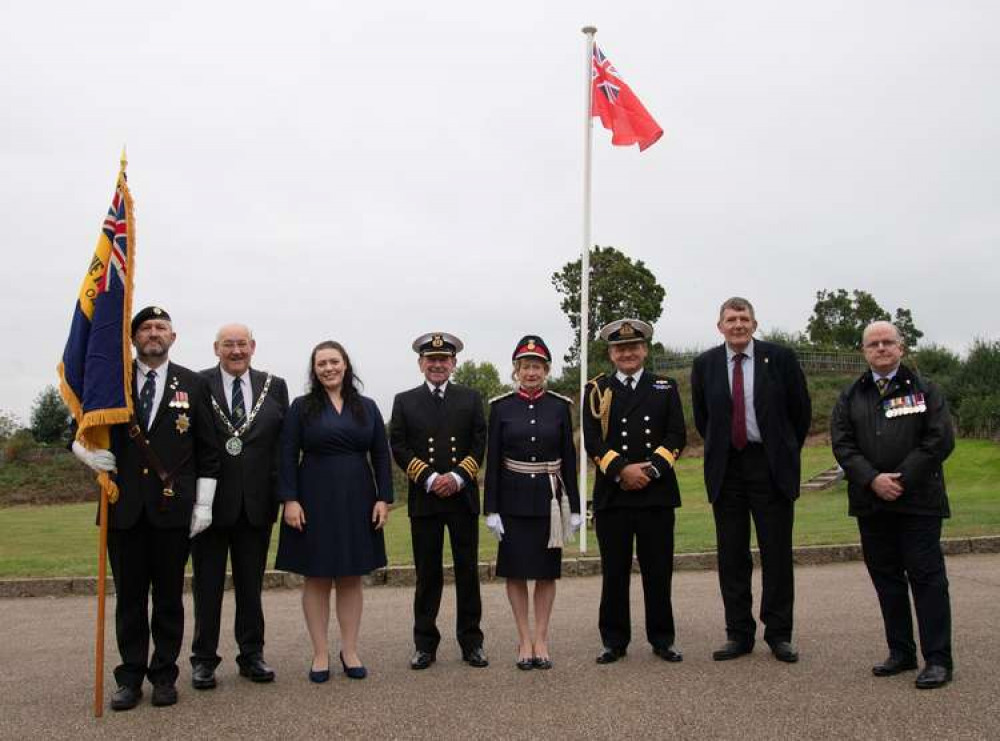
(438,436)
(634,431)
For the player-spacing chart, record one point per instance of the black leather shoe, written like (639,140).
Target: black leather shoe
(933,676)
(256,670)
(525,664)
(785,651)
(541,662)
(668,653)
(609,655)
(476,657)
(731,650)
(421,660)
(164,695)
(125,697)
(894,665)
(202,677)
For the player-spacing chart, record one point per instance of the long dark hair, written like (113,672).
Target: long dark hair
(316,396)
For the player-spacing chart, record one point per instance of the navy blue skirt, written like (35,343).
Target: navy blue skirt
(523,553)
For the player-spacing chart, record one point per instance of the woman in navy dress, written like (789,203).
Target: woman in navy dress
(531,498)
(336,485)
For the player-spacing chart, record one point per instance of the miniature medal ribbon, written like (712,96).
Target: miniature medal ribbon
(899,406)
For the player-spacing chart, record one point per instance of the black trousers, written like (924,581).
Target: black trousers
(903,551)
(747,493)
(247,546)
(145,558)
(427,533)
(652,531)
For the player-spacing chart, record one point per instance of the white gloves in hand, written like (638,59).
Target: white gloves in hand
(575,520)
(99,460)
(494,525)
(201,515)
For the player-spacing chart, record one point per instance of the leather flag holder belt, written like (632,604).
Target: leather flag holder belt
(154,462)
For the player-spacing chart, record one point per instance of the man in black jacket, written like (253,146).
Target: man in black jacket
(438,437)
(248,409)
(891,432)
(752,408)
(167,466)
(633,429)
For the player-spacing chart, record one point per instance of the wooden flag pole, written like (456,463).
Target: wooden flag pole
(588,126)
(102,567)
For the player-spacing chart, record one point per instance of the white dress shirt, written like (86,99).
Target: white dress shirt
(430,479)
(227,389)
(753,431)
(635,377)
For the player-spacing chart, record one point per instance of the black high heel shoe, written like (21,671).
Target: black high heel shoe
(353,672)
(318,676)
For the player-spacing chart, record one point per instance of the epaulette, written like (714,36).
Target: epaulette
(501,396)
(559,396)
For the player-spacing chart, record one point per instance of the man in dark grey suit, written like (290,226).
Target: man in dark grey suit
(438,437)
(248,407)
(752,407)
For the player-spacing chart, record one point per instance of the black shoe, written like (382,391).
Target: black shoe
(932,677)
(525,664)
(318,676)
(784,651)
(422,660)
(731,650)
(894,665)
(609,655)
(202,677)
(164,695)
(125,697)
(541,662)
(475,657)
(353,672)
(256,670)
(668,653)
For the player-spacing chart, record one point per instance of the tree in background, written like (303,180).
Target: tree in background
(9,425)
(619,287)
(839,319)
(50,419)
(977,386)
(483,377)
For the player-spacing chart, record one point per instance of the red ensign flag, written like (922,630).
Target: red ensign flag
(619,108)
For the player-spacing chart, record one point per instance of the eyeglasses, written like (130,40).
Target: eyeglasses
(876,344)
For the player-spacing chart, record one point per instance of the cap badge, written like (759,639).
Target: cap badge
(531,344)
(627,330)
(157,310)
(437,341)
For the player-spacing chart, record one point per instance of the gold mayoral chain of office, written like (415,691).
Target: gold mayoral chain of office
(234,445)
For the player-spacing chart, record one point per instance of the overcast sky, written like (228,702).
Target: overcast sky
(371,171)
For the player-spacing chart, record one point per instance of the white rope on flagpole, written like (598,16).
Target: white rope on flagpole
(588,126)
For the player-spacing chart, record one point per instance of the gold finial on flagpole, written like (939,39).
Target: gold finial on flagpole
(124,159)
(589,30)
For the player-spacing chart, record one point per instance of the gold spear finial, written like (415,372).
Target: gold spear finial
(124,159)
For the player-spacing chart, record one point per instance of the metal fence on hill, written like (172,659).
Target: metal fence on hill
(830,362)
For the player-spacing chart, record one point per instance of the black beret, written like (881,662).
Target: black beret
(150,312)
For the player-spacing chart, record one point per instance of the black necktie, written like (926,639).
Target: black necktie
(628,382)
(438,395)
(146,399)
(239,408)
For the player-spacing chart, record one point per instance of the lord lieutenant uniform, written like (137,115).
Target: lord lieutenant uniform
(634,419)
(531,475)
(442,431)
(906,429)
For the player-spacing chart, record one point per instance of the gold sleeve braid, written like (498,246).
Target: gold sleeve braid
(415,468)
(469,465)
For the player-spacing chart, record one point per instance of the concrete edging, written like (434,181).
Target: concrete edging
(400,576)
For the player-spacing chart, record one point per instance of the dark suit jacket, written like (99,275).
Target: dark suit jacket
(183,439)
(781,403)
(427,437)
(645,425)
(249,480)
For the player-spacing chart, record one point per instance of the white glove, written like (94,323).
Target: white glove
(99,460)
(494,525)
(575,520)
(201,515)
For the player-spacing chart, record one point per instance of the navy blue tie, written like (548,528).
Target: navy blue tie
(146,397)
(239,408)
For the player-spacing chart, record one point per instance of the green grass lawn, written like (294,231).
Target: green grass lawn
(61,540)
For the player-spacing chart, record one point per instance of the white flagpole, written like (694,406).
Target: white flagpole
(588,126)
